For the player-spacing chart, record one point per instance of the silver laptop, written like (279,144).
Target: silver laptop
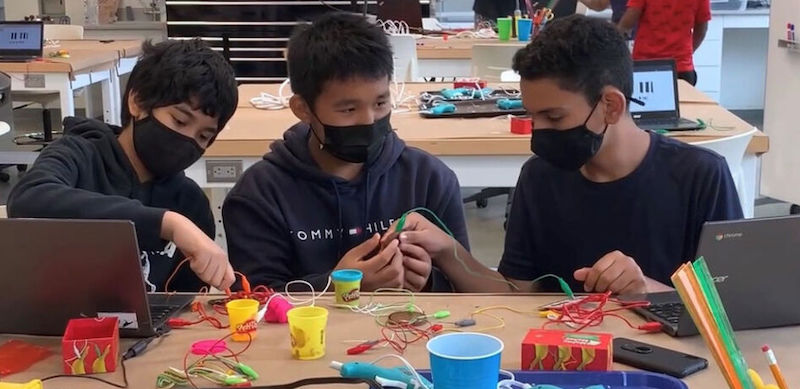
(655,83)
(755,264)
(55,270)
(21,41)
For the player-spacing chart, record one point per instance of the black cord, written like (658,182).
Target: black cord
(87,377)
(323,381)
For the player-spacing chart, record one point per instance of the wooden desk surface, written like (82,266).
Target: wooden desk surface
(251,131)
(85,55)
(270,356)
(455,48)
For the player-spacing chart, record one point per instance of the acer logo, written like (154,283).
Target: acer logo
(720,279)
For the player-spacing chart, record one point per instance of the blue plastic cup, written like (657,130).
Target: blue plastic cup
(524,27)
(465,360)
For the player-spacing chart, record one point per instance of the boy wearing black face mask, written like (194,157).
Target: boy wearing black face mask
(606,206)
(179,96)
(323,195)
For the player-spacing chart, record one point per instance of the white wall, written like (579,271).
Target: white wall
(744,62)
(780,176)
(18,9)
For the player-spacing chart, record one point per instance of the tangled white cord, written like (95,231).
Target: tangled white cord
(483,33)
(395,27)
(419,384)
(272,102)
(314,297)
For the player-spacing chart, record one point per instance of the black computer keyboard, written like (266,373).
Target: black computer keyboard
(671,312)
(160,313)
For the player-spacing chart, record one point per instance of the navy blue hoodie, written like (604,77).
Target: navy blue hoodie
(286,219)
(87,175)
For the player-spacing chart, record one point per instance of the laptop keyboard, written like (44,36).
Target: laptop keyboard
(160,313)
(671,312)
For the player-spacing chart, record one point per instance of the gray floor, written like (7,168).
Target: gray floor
(485,225)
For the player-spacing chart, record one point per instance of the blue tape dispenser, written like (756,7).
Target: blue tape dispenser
(443,109)
(452,94)
(508,104)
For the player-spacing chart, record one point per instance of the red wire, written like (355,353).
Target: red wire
(575,312)
(174,272)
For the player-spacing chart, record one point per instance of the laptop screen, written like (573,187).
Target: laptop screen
(654,84)
(21,38)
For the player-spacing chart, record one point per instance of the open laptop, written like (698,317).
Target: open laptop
(655,83)
(21,41)
(55,270)
(754,264)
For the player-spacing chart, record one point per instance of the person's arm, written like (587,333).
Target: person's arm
(48,190)
(701,18)
(463,270)
(596,5)
(632,15)
(618,273)
(450,209)
(699,34)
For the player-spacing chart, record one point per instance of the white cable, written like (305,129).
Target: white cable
(410,368)
(483,33)
(270,101)
(314,297)
(510,91)
(395,27)
(511,382)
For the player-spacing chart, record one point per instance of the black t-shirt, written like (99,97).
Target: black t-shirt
(560,221)
(493,9)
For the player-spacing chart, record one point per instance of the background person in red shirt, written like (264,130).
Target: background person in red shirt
(668,29)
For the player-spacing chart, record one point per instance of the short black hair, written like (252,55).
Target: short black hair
(185,71)
(583,54)
(337,46)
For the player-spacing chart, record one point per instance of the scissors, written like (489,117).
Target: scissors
(543,15)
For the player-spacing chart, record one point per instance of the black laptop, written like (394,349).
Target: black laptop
(55,270)
(655,83)
(21,41)
(755,266)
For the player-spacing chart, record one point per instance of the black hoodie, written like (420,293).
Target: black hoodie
(286,219)
(87,175)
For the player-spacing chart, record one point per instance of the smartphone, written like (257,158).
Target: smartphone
(656,359)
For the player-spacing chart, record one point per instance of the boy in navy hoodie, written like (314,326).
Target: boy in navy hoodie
(324,194)
(179,96)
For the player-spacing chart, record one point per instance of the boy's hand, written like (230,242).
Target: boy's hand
(383,270)
(615,272)
(208,260)
(417,265)
(419,231)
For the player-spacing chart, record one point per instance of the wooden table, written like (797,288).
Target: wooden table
(90,61)
(269,355)
(251,131)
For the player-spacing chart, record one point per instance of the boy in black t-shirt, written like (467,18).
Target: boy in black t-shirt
(605,206)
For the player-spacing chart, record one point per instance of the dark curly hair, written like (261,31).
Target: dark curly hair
(337,46)
(583,54)
(188,71)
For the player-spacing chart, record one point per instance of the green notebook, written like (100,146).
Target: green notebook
(721,319)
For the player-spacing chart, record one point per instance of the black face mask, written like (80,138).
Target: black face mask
(163,151)
(356,144)
(567,149)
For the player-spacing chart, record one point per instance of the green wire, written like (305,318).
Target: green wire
(563,284)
